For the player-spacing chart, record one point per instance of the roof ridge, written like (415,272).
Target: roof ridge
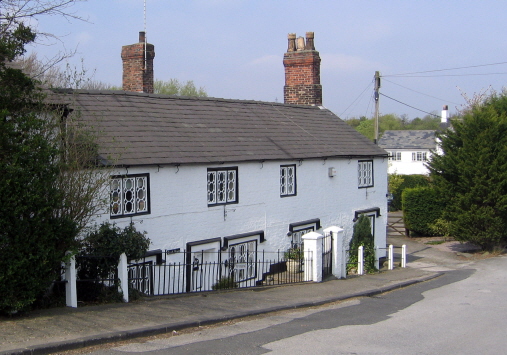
(175,97)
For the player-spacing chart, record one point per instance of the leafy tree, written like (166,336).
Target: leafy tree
(47,185)
(33,239)
(471,174)
(175,87)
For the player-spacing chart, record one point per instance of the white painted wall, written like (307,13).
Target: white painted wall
(180,213)
(406,166)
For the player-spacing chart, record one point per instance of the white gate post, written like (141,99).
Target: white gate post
(313,251)
(338,251)
(123,277)
(360,260)
(391,257)
(70,286)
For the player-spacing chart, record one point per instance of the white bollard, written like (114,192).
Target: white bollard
(360,260)
(123,277)
(70,286)
(403,255)
(391,257)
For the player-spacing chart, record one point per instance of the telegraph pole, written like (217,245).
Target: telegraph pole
(377,97)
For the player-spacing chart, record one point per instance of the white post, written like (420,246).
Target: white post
(338,260)
(403,255)
(360,260)
(391,257)
(344,262)
(313,251)
(123,277)
(70,286)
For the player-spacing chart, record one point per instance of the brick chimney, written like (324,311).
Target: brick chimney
(302,72)
(138,66)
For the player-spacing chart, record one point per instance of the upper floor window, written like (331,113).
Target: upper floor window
(288,180)
(129,195)
(365,173)
(395,156)
(222,186)
(419,156)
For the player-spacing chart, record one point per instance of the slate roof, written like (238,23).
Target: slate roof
(420,139)
(148,129)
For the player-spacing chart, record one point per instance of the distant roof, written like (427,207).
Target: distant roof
(423,139)
(148,129)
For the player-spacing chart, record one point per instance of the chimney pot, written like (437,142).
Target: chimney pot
(309,41)
(292,42)
(142,37)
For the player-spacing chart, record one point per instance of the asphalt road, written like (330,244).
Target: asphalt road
(461,312)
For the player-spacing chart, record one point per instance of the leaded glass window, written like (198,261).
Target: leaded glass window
(129,195)
(365,173)
(222,186)
(287,180)
(242,260)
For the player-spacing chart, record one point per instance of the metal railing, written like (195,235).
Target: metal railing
(208,271)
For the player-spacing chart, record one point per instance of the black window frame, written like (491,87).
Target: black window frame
(372,174)
(123,213)
(236,186)
(294,193)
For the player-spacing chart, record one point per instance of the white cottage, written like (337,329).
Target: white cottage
(208,174)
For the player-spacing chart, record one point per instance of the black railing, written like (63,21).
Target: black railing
(210,271)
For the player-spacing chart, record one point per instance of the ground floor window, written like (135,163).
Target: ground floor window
(242,257)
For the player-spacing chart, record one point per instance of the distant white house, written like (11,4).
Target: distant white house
(408,150)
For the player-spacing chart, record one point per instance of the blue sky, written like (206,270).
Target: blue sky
(234,48)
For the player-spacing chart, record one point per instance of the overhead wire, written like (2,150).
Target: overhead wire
(433,97)
(357,98)
(439,70)
(415,108)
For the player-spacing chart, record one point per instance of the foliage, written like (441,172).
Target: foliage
(99,256)
(408,181)
(362,236)
(33,238)
(391,121)
(422,207)
(394,182)
(294,254)
(225,283)
(175,87)
(471,173)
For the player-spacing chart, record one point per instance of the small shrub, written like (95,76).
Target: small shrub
(362,236)
(294,254)
(99,256)
(225,283)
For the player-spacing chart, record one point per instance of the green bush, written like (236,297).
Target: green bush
(362,236)
(409,181)
(99,256)
(422,207)
(225,283)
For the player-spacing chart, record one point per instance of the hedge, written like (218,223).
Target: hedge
(409,181)
(421,208)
